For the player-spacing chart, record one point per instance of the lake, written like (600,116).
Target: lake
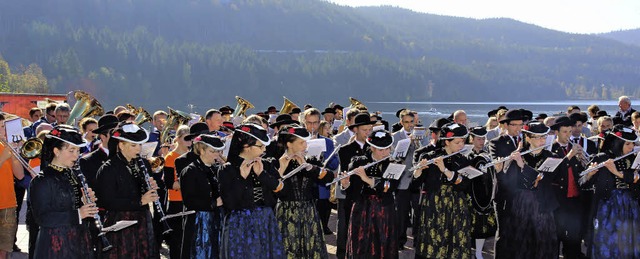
(477,111)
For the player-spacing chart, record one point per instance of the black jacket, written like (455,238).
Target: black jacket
(238,193)
(55,198)
(199,186)
(90,164)
(118,188)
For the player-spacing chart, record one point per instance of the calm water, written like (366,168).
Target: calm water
(477,111)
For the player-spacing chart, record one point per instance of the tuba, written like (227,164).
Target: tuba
(242,106)
(142,116)
(287,106)
(174,119)
(85,106)
(355,103)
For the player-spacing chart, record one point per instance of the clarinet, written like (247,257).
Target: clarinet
(165,226)
(106,246)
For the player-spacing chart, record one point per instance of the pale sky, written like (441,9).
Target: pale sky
(576,16)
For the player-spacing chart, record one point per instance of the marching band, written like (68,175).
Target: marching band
(239,185)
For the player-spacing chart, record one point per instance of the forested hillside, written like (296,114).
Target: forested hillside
(203,52)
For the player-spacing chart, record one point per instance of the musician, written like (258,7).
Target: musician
(435,127)
(214,120)
(635,120)
(577,135)
(10,167)
(501,129)
(87,125)
(58,203)
(616,224)
(445,217)
(125,195)
(570,215)
(281,121)
(460,117)
(541,117)
(403,194)
(159,119)
(325,129)
(295,114)
(329,115)
(604,123)
(296,213)
(529,228)
(34,115)
(624,103)
(188,157)
(361,129)
(398,125)
(62,114)
(247,187)
(199,185)
(310,118)
(483,218)
(345,136)
(499,147)
(171,179)
(49,116)
(226,112)
(372,230)
(90,163)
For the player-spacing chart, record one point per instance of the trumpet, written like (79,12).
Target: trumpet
(484,167)
(433,160)
(106,246)
(601,165)
(583,157)
(354,171)
(165,226)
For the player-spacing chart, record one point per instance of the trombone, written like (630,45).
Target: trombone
(36,148)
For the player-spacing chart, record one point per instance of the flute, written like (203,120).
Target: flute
(433,160)
(354,171)
(601,165)
(295,171)
(165,227)
(326,161)
(106,246)
(484,167)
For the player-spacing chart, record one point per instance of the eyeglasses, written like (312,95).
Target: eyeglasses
(53,115)
(259,146)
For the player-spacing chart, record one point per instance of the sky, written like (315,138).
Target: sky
(574,16)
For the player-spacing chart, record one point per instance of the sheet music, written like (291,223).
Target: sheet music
(636,162)
(315,147)
(418,131)
(470,172)
(179,214)
(394,171)
(336,124)
(120,225)
(376,128)
(549,141)
(400,151)
(14,128)
(225,151)
(148,148)
(550,164)
(194,118)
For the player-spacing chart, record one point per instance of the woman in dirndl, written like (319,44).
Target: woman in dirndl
(200,193)
(123,192)
(616,224)
(445,215)
(57,201)
(247,187)
(372,228)
(529,228)
(483,217)
(297,216)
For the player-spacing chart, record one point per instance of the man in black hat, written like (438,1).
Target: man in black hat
(338,108)
(295,113)
(281,120)
(226,112)
(569,216)
(504,146)
(91,162)
(361,127)
(329,115)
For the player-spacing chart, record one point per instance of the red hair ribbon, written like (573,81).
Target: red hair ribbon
(449,134)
